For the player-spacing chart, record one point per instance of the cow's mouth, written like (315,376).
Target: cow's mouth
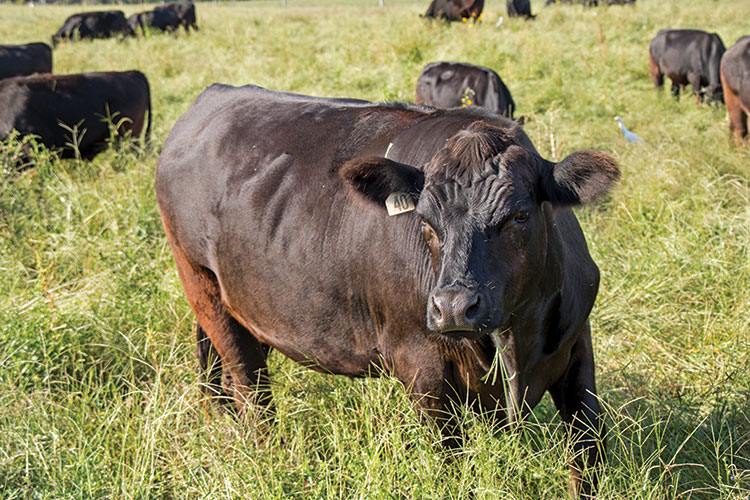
(464,333)
(491,334)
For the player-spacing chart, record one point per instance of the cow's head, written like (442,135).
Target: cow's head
(485,204)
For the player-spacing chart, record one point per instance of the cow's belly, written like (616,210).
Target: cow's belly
(317,330)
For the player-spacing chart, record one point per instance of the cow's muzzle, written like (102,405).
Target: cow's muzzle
(457,312)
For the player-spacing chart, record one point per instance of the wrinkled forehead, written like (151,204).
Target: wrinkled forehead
(486,192)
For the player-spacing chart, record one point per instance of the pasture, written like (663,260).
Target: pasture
(98,376)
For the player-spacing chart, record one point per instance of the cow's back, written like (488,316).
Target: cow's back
(20,60)
(682,51)
(252,137)
(448,84)
(455,10)
(39,104)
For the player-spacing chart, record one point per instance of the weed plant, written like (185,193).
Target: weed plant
(98,377)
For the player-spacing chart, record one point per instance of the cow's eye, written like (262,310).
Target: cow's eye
(521,217)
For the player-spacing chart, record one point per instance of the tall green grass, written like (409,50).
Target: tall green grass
(98,378)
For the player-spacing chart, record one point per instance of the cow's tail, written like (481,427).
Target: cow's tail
(714,68)
(147,137)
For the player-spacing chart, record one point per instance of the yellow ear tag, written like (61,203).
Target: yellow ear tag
(399,203)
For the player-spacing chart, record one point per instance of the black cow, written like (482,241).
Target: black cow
(735,82)
(518,8)
(592,3)
(52,106)
(20,60)
(687,56)
(274,205)
(162,19)
(104,24)
(585,3)
(455,10)
(453,84)
(185,12)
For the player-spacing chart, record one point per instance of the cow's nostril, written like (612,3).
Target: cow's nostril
(472,309)
(437,309)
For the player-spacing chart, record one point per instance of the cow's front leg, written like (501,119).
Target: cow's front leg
(425,373)
(676,90)
(575,397)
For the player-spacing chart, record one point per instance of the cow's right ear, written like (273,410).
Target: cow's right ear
(375,178)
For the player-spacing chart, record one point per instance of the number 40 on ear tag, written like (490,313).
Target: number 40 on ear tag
(399,203)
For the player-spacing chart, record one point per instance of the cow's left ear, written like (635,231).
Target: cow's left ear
(375,178)
(582,177)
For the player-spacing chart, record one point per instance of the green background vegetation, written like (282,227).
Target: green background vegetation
(98,376)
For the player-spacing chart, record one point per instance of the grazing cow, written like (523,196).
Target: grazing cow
(185,12)
(592,3)
(735,81)
(162,19)
(453,84)
(455,10)
(49,106)
(518,8)
(687,56)
(105,24)
(585,3)
(274,205)
(20,60)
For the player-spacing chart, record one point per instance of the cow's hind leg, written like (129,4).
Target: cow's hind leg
(227,351)
(737,118)
(210,367)
(656,75)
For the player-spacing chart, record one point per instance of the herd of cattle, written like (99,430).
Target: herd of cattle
(430,240)
(42,101)
(112,23)
(77,114)
(464,10)
(700,59)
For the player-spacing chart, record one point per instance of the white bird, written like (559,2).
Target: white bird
(631,137)
(499,22)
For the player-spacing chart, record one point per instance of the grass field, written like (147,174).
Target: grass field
(98,376)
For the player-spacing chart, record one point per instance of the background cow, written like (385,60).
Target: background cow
(687,56)
(274,205)
(592,3)
(20,60)
(105,24)
(161,19)
(185,12)
(518,8)
(455,10)
(453,84)
(38,104)
(735,81)
(585,3)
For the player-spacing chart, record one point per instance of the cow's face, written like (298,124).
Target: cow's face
(486,233)
(483,204)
